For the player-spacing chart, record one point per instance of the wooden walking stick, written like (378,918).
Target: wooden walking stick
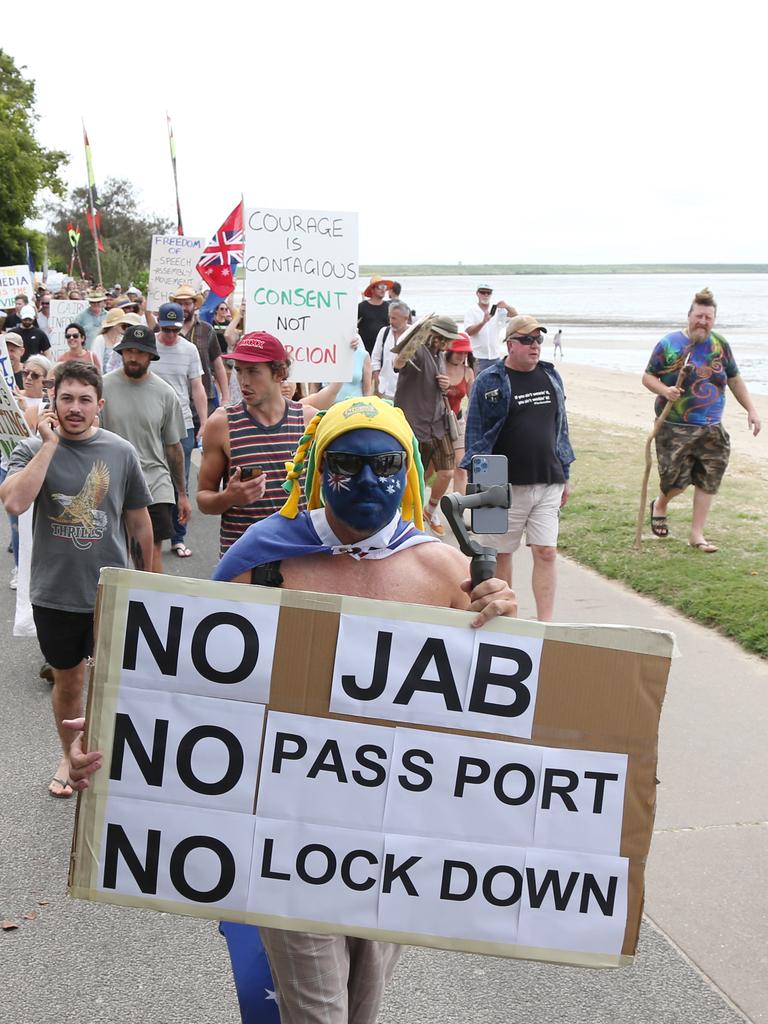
(660,419)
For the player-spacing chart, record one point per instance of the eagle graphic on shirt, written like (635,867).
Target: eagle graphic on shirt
(80,519)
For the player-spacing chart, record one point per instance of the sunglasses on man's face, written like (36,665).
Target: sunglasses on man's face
(350,463)
(527,339)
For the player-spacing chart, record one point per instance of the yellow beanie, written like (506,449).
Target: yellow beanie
(341,418)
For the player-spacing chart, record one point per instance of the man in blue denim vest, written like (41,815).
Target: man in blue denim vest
(517,409)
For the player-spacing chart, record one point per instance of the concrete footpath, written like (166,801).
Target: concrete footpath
(703,954)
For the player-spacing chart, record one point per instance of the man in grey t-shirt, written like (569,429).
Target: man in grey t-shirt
(179,365)
(144,409)
(87,488)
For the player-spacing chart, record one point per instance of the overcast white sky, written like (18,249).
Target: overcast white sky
(547,132)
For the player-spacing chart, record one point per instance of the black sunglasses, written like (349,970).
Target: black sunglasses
(73,335)
(350,464)
(527,339)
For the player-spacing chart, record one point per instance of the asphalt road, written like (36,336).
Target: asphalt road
(86,962)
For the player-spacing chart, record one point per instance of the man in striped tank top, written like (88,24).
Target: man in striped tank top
(246,446)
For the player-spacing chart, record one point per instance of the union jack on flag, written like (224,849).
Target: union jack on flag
(221,256)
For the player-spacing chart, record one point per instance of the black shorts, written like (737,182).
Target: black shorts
(65,638)
(162,527)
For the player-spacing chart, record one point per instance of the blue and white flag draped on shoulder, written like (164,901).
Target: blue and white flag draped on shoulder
(276,538)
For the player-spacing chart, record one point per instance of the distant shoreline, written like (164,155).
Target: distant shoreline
(475,269)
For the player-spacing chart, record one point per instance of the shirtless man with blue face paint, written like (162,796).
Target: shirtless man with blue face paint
(364,492)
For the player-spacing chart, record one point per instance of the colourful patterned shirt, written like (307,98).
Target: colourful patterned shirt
(711,366)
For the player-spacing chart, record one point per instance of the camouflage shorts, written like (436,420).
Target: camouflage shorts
(692,455)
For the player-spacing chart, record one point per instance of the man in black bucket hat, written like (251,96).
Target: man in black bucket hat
(144,409)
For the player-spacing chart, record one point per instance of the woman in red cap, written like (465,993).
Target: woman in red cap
(459,368)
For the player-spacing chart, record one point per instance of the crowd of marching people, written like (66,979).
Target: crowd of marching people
(296,473)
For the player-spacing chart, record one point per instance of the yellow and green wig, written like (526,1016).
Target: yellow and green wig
(353,414)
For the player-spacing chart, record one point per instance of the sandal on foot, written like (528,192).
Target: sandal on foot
(63,790)
(180,550)
(659,526)
(704,546)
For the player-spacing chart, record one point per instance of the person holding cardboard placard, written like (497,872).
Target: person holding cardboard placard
(360,536)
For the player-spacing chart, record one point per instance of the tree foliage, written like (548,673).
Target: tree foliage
(125,231)
(25,166)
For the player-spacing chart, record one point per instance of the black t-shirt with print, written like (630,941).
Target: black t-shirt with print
(528,437)
(36,342)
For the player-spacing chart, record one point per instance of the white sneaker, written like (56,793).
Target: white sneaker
(432,520)
(13,582)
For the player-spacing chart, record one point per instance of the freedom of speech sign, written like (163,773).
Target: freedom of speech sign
(487,790)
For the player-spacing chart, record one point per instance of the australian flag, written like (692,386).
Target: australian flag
(223,253)
(253,980)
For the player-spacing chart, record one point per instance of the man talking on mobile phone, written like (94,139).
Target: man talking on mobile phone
(517,409)
(88,490)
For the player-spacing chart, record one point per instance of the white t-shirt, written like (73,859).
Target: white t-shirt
(382,358)
(179,365)
(486,344)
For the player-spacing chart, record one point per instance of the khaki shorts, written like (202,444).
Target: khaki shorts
(692,455)
(437,450)
(535,511)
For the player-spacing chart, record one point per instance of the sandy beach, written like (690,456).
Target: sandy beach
(620,399)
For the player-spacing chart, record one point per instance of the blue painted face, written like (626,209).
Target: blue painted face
(364,500)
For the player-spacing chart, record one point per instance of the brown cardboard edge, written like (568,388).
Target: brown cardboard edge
(498,949)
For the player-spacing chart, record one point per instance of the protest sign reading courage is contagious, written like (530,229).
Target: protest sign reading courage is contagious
(301,284)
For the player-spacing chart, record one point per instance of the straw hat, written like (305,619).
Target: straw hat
(186,291)
(373,282)
(117,315)
(96,295)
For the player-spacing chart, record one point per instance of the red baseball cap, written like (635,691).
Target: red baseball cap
(259,347)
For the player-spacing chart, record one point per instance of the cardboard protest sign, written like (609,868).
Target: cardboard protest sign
(490,791)
(13,426)
(301,284)
(62,313)
(15,281)
(173,259)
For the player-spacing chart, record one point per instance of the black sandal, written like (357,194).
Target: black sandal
(659,526)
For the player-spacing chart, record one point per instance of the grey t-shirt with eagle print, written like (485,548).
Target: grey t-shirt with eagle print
(78,517)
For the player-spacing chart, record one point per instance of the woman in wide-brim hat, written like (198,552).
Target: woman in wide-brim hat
(115,322)
(377,280)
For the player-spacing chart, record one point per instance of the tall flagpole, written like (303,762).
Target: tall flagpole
(93,222)
(172,144)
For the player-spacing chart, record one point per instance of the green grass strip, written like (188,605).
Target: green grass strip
(727,590)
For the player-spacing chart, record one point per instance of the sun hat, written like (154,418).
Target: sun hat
(12,338)
(139,337)
(114,316)
(445,327)
(461,344)
(96,295)
(376,279)
(341,418)
(258,347)
(186,291)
